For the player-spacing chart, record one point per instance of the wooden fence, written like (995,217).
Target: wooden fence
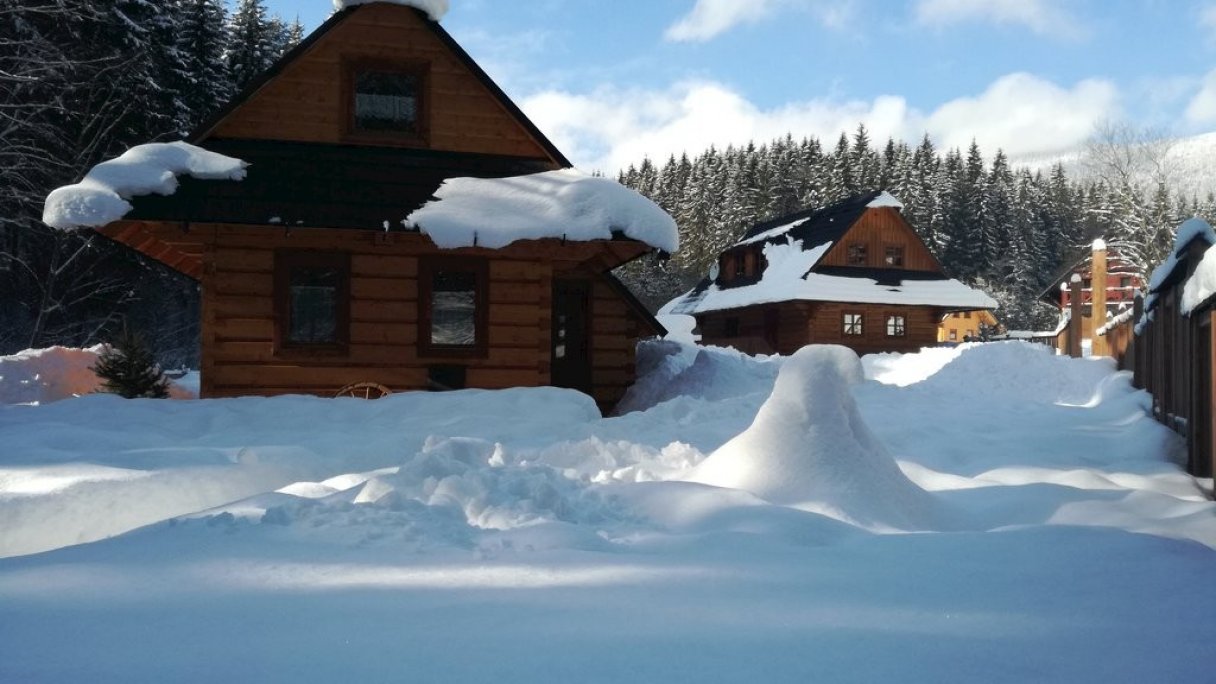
(1171,354)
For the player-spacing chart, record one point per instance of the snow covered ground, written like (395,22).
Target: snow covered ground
(983,513)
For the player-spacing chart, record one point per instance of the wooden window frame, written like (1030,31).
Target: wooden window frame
(952,335)
(284,262)
(903,255)
(861,323)
(863,259)
(903,327)
(480,268)
(420,137)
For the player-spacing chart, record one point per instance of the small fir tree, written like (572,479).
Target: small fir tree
(129,369)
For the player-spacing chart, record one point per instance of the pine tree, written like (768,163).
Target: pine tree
(202,42)
(129,369)
(251,43)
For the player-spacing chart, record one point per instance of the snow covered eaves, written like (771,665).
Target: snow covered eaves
(565,204)
(885,199)
(435,9)
(1191,229)
(101,197)
(1201,286)
(787,277)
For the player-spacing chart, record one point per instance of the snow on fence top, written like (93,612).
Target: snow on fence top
(1202,284)
(1190,229)
(435,9)
(566,204)
(102,196)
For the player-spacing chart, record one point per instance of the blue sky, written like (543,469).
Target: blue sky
(613,81)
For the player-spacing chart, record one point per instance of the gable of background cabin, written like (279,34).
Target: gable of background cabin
(878,228)
(307,101)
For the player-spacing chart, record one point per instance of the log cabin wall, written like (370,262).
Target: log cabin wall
(784,328)
(615,330)
(308,100)
(877,228)
(239,355)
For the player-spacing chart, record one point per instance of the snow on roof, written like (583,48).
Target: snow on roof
(1202,284)
(787,277)
(885,199)
(101,197)
(435,9)
(1191,229)
(567,204)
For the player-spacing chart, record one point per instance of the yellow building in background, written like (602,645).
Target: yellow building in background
(965,326)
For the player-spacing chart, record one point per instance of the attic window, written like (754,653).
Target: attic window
(894,255)
(857,254)
(386,99)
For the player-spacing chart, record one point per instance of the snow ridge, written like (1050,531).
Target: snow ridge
(435,9)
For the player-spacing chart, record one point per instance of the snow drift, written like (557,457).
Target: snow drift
(809,448)
(38,376)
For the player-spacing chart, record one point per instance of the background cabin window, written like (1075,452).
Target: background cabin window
(740,265)
(857,254)
(852,324)
(894,255)
(896,326)
(387,101)
(312,298)
(953,335)
(1125,281)
(453,301)
(731,328)
(966,314)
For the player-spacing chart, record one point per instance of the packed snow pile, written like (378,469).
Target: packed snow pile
(564,204)
(1033,373)
(1191,229)
(39,376)
(670,370)
(153,168)
(810,448)
(435,9)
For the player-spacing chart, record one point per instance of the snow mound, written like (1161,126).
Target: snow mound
(1022,371)
(901,370)
(809,448)
(435,9)
(669,370)
(679,327)
(40,376)
(153,168)
(565,204)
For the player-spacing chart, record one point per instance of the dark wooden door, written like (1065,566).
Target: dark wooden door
(571,343)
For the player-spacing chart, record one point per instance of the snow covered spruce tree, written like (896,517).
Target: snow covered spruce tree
(251,42)
(201,43)
(128,368)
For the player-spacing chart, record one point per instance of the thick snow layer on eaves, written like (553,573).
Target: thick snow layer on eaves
(1202,284)
(435,9)
(1191,229)
(153,168)
(566,204)
(787,278)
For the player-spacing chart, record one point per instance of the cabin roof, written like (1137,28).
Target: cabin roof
(204,130)
(793,247)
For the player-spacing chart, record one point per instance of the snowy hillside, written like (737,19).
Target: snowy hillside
(985,513)
(1191,162)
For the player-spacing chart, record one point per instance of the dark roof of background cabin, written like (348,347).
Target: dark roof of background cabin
(816,226)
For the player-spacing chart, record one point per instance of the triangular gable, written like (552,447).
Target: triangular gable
(877,227)
(302,98)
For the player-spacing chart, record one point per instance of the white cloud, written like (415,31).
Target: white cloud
(1207,19)
(1040,16)
(1202,108)
(709,18)
(610,128)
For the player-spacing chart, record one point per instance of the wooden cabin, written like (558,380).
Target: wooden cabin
(967,326)
(853,273)
(311,277)
(1108,284)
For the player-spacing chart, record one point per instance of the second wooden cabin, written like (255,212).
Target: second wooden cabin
(853,273)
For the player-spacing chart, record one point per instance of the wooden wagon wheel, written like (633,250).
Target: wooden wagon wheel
(364,390)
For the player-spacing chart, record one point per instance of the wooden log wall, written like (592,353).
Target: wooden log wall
(802,323)
(238,332)
(307,101)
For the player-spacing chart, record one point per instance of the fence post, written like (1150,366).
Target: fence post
(1100,344)
(1076,307)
